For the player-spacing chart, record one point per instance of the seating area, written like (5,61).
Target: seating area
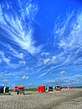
(19,90)
(4,89)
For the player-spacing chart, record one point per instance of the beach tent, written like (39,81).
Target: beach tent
(1,89)
(19,89)
(50,88)
(70,87)
(58,88)
(6,89)
(41,89)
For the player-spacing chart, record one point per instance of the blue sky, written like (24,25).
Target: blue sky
(40,42)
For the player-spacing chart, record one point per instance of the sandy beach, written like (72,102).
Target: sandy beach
(65,99)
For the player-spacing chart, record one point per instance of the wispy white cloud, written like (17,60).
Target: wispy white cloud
(74,39)
(51,60)
(25,77)
(69,38)
(63,72)
(16,30)
(45,54)
(30,84)
(66,80)
(4,58)
(5,80)
(22,62)
(14,52)
(46,61)
(41,75)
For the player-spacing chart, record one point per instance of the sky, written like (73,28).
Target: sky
(40,43)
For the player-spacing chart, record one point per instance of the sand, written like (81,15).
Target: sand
(65,99)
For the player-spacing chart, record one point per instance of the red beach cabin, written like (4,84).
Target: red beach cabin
(41,89)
